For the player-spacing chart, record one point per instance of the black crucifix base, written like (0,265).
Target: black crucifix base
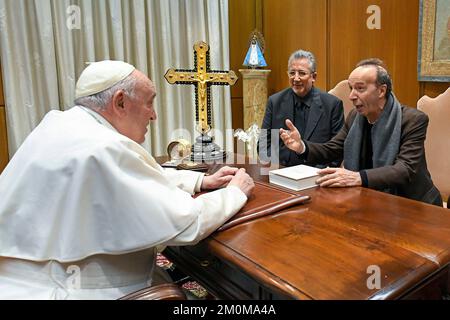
(204,150)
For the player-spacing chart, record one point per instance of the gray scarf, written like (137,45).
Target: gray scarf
(385,137)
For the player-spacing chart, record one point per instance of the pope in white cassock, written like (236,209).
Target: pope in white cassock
(81,197)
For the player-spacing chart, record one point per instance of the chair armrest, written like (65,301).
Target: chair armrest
(166,291)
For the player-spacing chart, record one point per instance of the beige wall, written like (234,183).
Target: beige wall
(336,32)
(284,31)
(395,43)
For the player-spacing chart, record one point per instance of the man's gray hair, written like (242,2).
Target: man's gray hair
(100,100)
(302,54)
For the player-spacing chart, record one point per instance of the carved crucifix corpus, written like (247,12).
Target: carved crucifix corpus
(203,78)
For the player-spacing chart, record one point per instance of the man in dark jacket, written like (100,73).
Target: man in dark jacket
(317,114)
(382,142)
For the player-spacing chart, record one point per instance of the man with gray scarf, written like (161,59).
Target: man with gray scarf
(382,142)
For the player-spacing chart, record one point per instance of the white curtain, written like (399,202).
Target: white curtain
(45,45)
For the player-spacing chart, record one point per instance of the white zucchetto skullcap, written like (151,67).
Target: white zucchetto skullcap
(102,75)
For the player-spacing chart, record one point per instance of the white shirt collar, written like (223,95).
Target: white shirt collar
(97,116)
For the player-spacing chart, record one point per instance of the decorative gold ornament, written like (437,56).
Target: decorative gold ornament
(202,77)
(179,149)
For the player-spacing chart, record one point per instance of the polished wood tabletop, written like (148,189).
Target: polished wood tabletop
(329,247)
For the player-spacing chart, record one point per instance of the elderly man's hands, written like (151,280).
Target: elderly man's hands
(330,177)
(219,179)
(338,177)
(291,138)
(243,181)
(229,176)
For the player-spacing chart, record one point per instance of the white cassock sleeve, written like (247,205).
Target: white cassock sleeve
(189,181)
(213,208)
(171,215)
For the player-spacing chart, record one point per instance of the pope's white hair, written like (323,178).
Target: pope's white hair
(100,100)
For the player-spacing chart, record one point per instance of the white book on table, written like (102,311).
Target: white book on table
(296,178)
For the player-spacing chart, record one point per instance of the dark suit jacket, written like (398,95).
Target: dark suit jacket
(408,175)
(326,117)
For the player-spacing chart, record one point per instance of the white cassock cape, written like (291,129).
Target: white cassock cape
(83,207)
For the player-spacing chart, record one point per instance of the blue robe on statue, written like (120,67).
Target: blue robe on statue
(254,57)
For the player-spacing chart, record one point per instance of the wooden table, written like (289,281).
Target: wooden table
(329,248)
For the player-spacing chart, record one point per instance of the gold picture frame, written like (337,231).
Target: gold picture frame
(434,43)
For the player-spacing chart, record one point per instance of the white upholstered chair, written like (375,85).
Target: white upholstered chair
(342,91)
(437,143)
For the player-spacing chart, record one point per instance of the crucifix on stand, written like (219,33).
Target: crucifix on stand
(202,78)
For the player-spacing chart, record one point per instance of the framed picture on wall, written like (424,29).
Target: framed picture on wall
(434,41)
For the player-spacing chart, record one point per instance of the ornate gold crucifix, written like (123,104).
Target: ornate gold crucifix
(202,77)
